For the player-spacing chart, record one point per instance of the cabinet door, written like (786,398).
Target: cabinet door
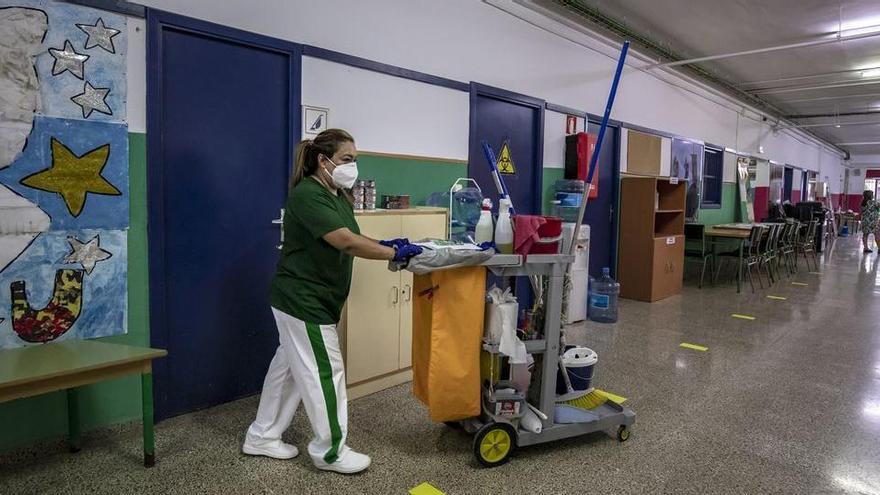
(668,266)
(415,227)
(373,311)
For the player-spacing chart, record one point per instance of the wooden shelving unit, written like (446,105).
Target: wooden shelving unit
(651,255)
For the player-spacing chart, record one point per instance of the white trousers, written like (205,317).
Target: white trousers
(307,367)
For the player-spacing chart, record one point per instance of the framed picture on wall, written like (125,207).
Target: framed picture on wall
(687,165)
(315,119)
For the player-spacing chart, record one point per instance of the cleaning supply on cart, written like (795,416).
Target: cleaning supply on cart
(485,230)
(504,401)
(578,363)
(448,311)
(535,234)
(530,421)
(603,298)
(521,374)
(501,311)
(504,228)
(442,254)
(565,414)
(590,400)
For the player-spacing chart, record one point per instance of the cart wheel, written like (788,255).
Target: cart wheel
(494,443)
(623,433)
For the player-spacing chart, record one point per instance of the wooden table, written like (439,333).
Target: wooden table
(37,370)
(731,233)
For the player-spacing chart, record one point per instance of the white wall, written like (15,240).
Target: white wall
(470,40)
(389,114)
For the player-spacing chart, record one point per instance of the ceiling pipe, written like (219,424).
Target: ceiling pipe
(840,97)
(838,37)
(862,143)
(770,91)
(806,76)
(831,124)
(822,115)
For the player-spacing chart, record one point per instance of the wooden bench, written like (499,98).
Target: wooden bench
(37,370)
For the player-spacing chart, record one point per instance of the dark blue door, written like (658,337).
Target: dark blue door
(600,211)
(223,113)
(501,117)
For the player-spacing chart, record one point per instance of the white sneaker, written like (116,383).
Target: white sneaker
(275,449)
(349,462)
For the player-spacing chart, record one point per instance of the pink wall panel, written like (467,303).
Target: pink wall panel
(762,196)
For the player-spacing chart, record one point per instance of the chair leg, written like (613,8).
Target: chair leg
(702,273)
(751,282)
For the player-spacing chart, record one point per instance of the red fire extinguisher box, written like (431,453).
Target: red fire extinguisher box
(578,150)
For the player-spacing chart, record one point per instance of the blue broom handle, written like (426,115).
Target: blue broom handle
(595,158)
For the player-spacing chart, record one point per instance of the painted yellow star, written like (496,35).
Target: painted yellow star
(73,177)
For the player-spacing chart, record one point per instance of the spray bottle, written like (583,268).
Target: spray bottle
(504,229)
(485,229)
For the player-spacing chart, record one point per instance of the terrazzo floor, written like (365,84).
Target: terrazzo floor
(786,403)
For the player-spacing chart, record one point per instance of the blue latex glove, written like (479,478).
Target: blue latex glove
(487,245)
(404,253)
(395,243)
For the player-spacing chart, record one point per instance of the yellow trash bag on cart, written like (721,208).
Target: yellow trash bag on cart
(447,336)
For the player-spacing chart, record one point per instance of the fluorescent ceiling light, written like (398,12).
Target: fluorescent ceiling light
(871,73)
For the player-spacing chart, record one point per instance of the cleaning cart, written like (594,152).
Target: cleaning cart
(497,430)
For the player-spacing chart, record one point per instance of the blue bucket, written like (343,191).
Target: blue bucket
(579,364)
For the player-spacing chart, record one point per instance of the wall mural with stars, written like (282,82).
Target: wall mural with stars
(64,194)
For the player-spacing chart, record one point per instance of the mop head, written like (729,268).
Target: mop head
(591,400)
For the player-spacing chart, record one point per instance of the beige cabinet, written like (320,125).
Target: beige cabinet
(377,321)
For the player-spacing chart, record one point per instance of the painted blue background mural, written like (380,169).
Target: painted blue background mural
(106,208)
(64,194)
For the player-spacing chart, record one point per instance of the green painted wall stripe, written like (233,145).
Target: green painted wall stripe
(325,372)
(418,178)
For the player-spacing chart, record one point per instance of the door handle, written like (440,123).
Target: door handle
(280,221)
(407,293)
(396,295)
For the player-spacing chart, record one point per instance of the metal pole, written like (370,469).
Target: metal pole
(803,44)
(595,158)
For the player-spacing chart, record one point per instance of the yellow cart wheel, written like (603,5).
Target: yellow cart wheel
(494,443)
(623,433)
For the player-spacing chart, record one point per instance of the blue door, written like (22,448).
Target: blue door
(516,121)
(600,215)
(500,117)
(223,115)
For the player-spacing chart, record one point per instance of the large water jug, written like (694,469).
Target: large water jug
(603,298)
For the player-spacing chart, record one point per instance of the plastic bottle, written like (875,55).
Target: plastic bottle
(485,229)
(603,298)
(504,229)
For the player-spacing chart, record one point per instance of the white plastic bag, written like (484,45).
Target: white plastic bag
(501,313)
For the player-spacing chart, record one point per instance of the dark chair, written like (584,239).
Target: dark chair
(697,249)
(770,253)
(787,246)
(754,255)
(806,245)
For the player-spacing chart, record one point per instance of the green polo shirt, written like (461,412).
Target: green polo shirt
(313,278)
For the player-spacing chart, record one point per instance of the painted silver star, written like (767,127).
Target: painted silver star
(93,99)
(88,254)
(68,60)
(99,35)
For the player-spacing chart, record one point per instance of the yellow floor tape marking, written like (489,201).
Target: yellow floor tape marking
(799,283)
(743,317)
(425,489)
(777,298)
(613,398)
(693,346)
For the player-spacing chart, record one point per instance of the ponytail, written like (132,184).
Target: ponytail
(308,150)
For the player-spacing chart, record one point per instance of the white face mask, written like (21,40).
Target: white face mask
(344,175)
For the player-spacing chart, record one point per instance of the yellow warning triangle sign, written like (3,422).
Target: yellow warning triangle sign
(505,163)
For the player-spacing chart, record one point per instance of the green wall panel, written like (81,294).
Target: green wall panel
(27,420)
(550,176)
(727,212)
(416,177)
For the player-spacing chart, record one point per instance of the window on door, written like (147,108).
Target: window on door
(713,175)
